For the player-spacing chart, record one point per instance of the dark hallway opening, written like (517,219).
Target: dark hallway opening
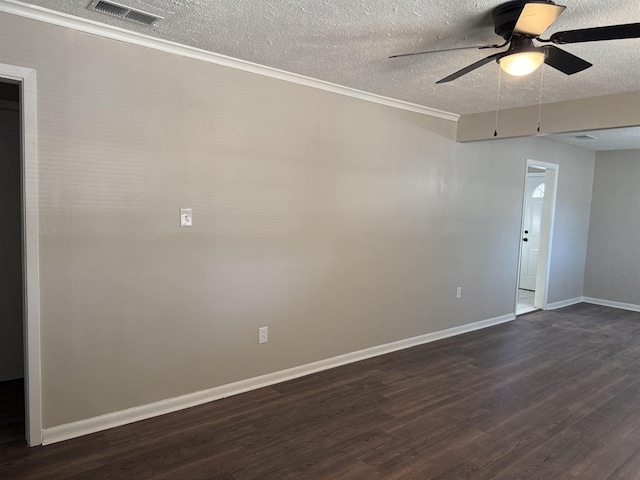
(11,275)
(11,412)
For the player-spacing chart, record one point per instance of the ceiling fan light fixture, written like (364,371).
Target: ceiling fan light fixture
(522,63)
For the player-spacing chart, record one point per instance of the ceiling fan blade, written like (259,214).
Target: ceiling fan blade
(474,47)
(596,34)
(535,18)
(564,61)
(472,67)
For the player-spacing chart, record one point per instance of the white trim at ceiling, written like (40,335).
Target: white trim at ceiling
(41,14)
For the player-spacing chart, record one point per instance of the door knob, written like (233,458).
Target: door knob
(525,239)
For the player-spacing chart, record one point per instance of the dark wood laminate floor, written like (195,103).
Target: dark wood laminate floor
(553,395)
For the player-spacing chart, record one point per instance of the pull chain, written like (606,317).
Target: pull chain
(495,132)
(540,95)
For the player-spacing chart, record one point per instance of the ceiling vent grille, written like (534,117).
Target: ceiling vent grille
(124,12)
(585,137)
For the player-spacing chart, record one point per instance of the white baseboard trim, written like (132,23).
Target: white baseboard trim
(103,422)
(564,303)
(595,301)
(610,303)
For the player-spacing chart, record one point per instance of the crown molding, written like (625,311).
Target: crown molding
(33,12)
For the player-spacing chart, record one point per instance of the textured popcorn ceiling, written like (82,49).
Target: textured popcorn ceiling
(347,42)
(613,139)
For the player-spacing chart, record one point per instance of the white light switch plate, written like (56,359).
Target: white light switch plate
(186,217)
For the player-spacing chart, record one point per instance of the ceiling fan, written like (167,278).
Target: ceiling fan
(521,23)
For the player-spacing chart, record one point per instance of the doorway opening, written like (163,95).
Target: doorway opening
(12,420)
(27,423)
(538,213)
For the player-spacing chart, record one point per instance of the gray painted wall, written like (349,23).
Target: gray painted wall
(11,346)
(613,259)
(608,111)
(571,228)
(338,223)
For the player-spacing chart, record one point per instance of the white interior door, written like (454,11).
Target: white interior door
(531,230)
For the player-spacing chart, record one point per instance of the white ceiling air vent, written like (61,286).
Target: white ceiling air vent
(585,137)
(122,11)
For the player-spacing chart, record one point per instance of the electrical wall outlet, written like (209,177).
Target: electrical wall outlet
(459,292)
(263,334)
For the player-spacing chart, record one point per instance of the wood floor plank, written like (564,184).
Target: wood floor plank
(552,395)
(628,470)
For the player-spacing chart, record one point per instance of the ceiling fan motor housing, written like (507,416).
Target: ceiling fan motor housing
(521,43)
(505,16)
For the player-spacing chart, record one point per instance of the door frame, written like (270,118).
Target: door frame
(546,232)
(26,78)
